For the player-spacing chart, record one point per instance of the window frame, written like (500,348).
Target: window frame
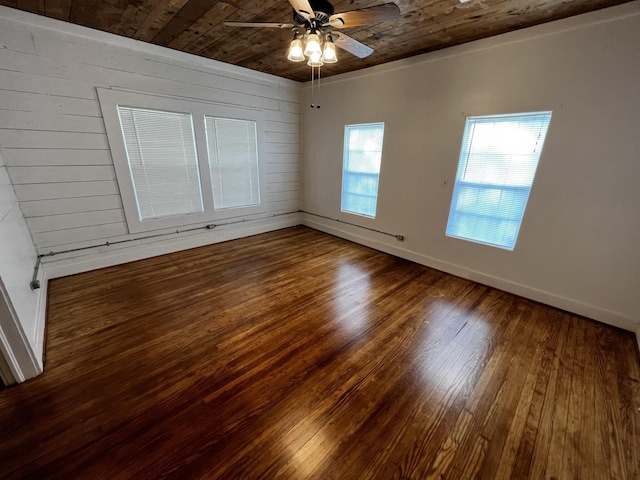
(466,147)
(109,102)
(345,158)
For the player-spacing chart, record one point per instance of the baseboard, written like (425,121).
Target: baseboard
(101,257)
(548,298)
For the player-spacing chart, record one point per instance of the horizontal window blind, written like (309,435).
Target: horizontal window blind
(361,168)
(161,151)
(498,160)
(233,161)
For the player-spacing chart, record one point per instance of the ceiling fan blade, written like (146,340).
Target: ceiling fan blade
(365,16)
(258,24)
(351,45)
(303,7)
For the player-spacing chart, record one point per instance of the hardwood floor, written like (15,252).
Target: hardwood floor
(298,355)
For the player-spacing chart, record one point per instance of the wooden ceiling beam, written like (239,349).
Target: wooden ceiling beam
(162,11)
(205,24)
(188,15)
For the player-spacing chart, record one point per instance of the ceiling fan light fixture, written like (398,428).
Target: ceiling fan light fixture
(329,52)
(315,60)
(313,45)
(296,53)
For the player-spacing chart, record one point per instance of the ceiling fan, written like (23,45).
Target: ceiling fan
(313,24)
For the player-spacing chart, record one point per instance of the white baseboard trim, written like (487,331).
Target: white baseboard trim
(101,257)
(548,298)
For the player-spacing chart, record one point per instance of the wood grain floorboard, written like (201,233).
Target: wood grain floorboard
(298,355)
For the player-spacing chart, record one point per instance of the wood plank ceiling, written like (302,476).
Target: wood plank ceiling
(196,26)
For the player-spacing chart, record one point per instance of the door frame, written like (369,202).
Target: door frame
(18,362)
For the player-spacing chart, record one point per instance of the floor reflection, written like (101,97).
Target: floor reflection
(353,293)
(465,336)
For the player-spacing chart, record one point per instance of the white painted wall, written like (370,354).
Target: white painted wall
(56,150)
(22,310)
(579,245)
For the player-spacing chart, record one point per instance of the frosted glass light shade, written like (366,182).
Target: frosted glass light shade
(315,60)
(329,54)
(313,45)
(295,51)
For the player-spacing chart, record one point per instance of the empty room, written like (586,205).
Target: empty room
(304,239)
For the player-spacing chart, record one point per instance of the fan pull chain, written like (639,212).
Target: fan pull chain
(318,106)
(313,105)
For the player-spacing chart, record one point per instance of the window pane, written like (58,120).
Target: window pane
(498,161)
(233,161)
(361,168)
(162,158)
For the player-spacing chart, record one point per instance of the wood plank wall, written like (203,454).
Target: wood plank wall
(53,137)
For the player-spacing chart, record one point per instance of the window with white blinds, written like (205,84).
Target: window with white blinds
(361,168)
(161,152)
(182,162)
(233,162)
(497,165)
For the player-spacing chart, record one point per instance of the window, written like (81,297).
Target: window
(161,151)
(498,162)
(361,168)
(233,162)
(180,162)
